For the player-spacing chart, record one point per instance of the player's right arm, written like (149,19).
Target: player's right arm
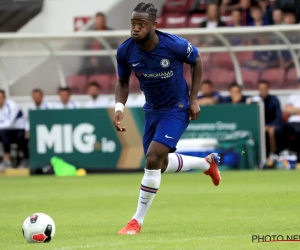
(122,88)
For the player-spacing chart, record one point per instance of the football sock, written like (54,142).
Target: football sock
(149,187)
(182,163)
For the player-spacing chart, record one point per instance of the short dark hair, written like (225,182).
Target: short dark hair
(37,90)
(235,84)
(206,81)
(65,89)
(262,81)
(2,91)
(148,8)
(94,84)
(100,14)
(287,13)
(256,7)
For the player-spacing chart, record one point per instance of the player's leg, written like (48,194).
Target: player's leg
(169,130)
(151,180)
(152,176)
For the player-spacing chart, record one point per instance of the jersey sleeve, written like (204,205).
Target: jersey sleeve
(124,69)
(186,51)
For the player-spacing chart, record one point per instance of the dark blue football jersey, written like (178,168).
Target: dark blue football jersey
(159,71)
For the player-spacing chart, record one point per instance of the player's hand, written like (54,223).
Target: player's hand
(117,122)
(194,110)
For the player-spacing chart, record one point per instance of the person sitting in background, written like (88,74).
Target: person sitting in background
(229,6)
(277,16)
(289,6)
(96,101)
(257,16)
(285,59)
(208,95)
(212,18)
(289,18)
(100,22)
(38,100)
(236,95)
(65,102)
(236,16)
(263,59)
(273,115)
(267,10)
(37,104)
(12,130)
(245,10)
(292,127)
(97,64)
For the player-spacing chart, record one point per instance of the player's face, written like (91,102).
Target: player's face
(64,96)
(141,27)
(263,90)
(37,97)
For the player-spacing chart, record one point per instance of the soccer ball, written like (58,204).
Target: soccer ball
(38,228)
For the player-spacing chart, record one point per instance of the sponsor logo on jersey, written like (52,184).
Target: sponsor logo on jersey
(162,75)
(189,50)
(165,63)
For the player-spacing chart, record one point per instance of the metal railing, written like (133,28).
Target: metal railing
(56,46)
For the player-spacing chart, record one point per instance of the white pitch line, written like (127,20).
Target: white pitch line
(148,241)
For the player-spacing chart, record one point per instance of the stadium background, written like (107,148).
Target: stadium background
(51,47)
(44,44)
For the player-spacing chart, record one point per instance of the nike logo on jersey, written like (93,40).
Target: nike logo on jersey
(169,137)
(135,64)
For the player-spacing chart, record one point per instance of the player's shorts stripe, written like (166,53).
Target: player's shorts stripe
(149,189)
(180,162)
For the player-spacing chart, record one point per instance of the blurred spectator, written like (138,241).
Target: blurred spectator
(38,103)
(277,16)
(208,95)
(38,100)
(289,6)
(292,127)
(212,18)
(200,6)
(273,114)
(236,95)
(100,22)
(65,102)
(236,16)
(229,5)
(266,10)
(257,16)
(96,101)
(263,59)
(97,64)
(289,18)
(245,10)
(285,59)
(12,130)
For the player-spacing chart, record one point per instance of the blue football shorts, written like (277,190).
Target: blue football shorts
(165,128)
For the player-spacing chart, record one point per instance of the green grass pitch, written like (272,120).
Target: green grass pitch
(187,213)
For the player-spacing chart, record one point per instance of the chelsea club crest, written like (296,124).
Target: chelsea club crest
(165,63)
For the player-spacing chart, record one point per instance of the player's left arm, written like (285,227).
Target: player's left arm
(196,71)
(189,54)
